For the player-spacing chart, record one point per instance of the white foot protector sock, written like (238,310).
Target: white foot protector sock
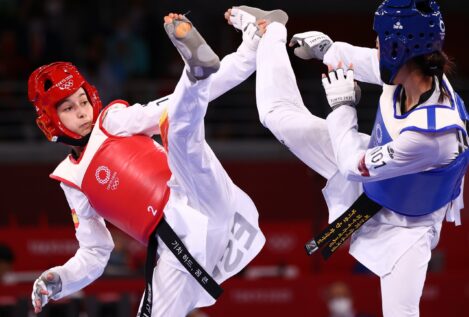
(200,59)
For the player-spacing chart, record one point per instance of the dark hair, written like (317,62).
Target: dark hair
(435,64)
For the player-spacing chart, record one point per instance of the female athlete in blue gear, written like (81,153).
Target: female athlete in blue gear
(413,163)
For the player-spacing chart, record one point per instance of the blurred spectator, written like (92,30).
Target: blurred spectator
(6,262)
(12,64)
(7,275)
(7,308)
(36,42)
(7,8)
(99,69)
(128,53)
(340,302)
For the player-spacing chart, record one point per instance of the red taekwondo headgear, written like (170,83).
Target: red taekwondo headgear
(47,87)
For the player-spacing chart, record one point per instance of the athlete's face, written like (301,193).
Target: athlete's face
(76,113)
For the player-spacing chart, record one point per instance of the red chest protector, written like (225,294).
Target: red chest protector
(124,178)
(126,184)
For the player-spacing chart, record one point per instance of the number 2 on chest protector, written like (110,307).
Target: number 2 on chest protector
(152,210)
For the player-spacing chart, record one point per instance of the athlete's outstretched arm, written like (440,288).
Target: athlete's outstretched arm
(88,263)
(410,152)
(95,245)
(365,61)
(317,45)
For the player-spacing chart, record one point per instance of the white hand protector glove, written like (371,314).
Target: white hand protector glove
(44,288)
(341,89)
(312,44)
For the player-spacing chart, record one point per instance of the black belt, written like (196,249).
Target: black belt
(175,245)
(331,238)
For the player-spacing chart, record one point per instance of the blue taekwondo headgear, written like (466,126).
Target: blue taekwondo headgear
(407,28)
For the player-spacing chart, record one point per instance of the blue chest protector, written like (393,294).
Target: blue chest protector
(424,192)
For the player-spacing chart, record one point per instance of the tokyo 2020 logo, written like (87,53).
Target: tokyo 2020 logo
(104,176)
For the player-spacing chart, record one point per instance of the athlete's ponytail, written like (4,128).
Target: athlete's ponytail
(435,64)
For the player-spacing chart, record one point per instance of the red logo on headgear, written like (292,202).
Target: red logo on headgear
(66,83)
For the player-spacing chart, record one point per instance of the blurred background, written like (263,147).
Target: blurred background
(121,48)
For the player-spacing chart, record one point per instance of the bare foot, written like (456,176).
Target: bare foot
(182,28)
